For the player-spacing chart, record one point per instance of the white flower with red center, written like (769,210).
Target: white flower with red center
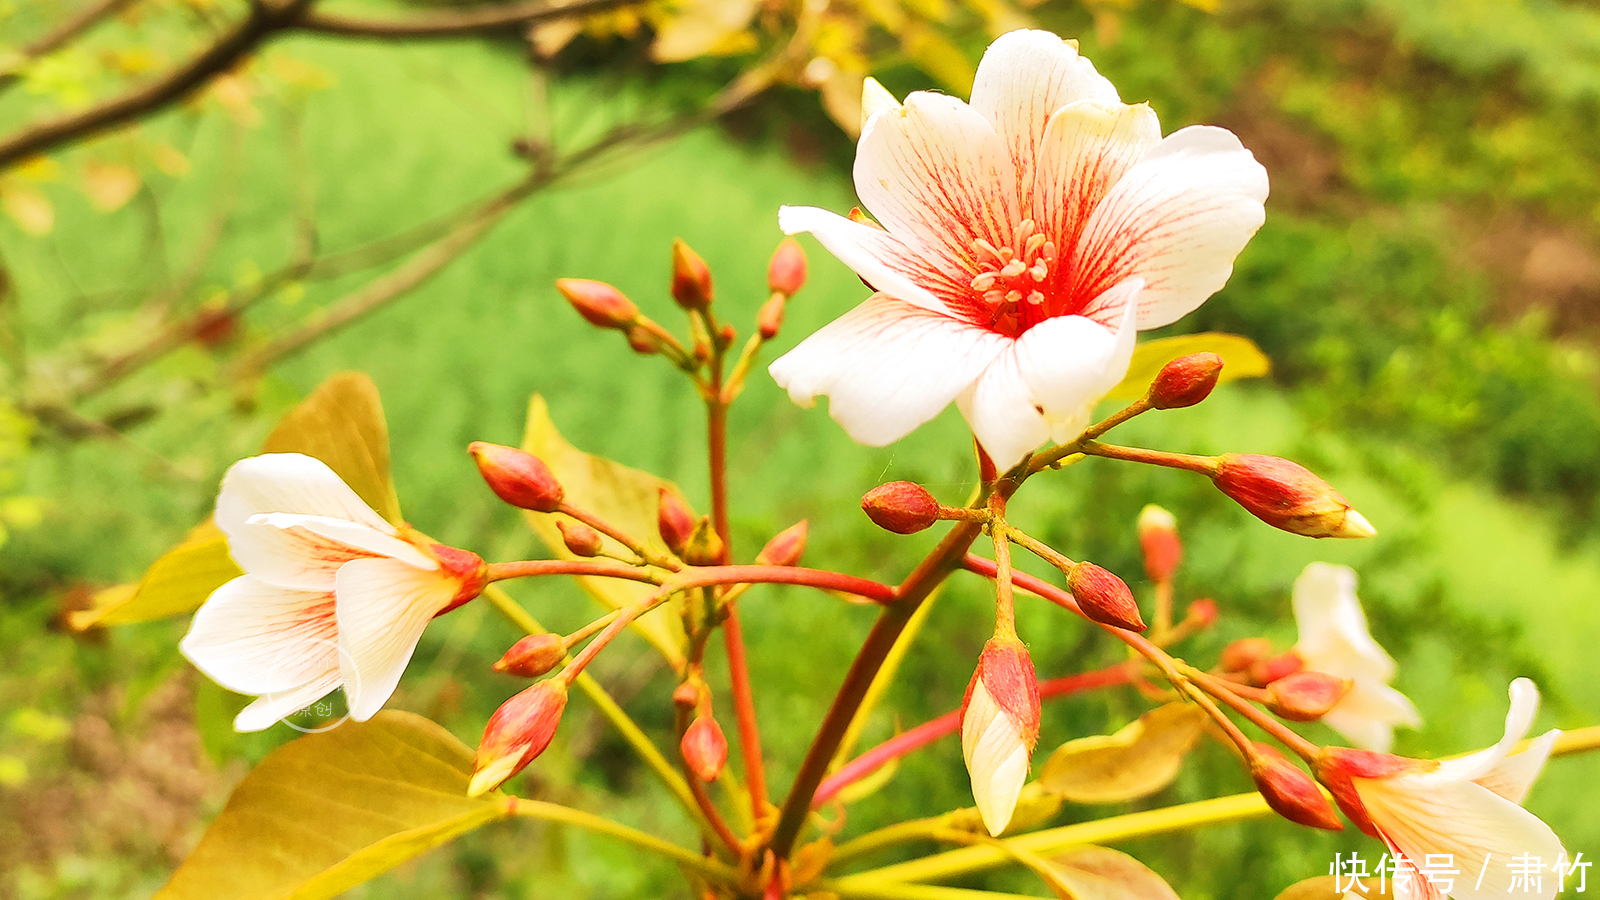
(1468,810)
(1334,639)
(332,593)
(1025,238)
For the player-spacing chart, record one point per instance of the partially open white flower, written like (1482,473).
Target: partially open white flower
(332,594)
(999,727)
(1334,639)
(1025,238)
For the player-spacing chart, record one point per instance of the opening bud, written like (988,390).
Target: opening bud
(786,274)
(580,538)
(999,727)
(1288,496)
(786,547)
(1290,791)
(1305,696)
(1104,597)
(1158,538)
(704,547)
(1268,669)
(533,656)
(466,567)
(704,748)
(519,478)
(691,278)
(770,318)
(1240,655)
(601,304)
(901,507)
(674,520)
(517,733)
(1185,381)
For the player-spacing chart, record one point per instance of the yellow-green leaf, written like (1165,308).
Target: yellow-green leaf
(178,583)
(627,499)
(1324,887)
(329,811)
(936,55)
(1137,761)
(1100,873)
(342,424)
(1241,358)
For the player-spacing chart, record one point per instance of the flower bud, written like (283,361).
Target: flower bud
(728,333)
(1104,597)
(770,318)
(601,304)
(1240,655)
(533,656)
(786,274)
(580,538)
(687,694)
(643,341)
(518,732)
(674,520)
(1158,538)
(704,547)
(1305,696)
(1202,613)
(704,748)
(786,547)
(901,507)
(1268,669)
(466,567)
(999,727)
(1290,791)
(520,479)
(1185,381)
(691,278)
(1286,495)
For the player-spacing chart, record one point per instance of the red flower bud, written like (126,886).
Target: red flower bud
(517,733)
(674,520)
(704,748)
(1240,655)
(786,547)
(1202,612)
(1305,696)
(687,695)
(520,479)
(1286,495)
(1290,791)
(1185,381)
(691,278)
(786,274)
(580,538)
(1104,597)
(600,303)
(901,507)
(1268,669)
(1158,538)
(770,318)
(533,656)
(643,341)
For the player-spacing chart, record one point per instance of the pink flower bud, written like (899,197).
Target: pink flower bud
(1202,612)
(704,748)
(1306,696)
(786,547)
(1290,791)
(901,507)
(533,656)
(1104,597)
(786,274)
(1286,495)
(1185,381)
(1158,538)
(1240,655)
(517,733)
(643,341)
(770,318)
(691,278)
(601,304)
(999,727)
(520,479)
(466,567)
(580,538)
(1268,669)
(674,520)
(687,695)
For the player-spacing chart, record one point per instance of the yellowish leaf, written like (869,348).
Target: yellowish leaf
(170,160)
(342,424)
(1325,887)
(627,499)
(1100,873)
(329,811)
(28,207)
(936,55)
(109,185)
(841,99)
(1137,761)
(178,583)
(1241,358)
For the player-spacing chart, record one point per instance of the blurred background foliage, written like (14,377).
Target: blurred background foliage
(1428,285)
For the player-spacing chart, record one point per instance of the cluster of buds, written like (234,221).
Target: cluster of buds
(690,537)
(1289,689)
(786,274)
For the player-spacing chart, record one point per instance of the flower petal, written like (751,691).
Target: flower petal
(1519,719)
(996,756)
(270,708)
(1000,409)
(1514,776)
(1368,713)
(383,605)
(1333,628)
(289,483)
(886,367)
(1178,218)
(881,259)
(305,552)
(1085,150)
(255,638)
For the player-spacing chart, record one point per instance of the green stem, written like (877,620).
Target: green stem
(551,812)
(913,892)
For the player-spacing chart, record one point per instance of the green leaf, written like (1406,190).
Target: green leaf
(329,811)
(342,424)
(1137,761)
(627,499)
(178,583)
(1241,358)
(1100,873)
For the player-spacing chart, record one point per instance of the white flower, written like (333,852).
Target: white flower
(1025,238)
(999,727)
(1334,639)
(332,594)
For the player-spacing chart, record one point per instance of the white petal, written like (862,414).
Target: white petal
(383,605)
(289,483)
(1025,76)
(1000,408)
(881,259)
(270,708)
(996,758)
(875,98)
(1519,719)
(1514,776)
(1368,713)
(255,638)
(1087,147)
(1333,628)
(305,552)
(1178,218)
(886,367)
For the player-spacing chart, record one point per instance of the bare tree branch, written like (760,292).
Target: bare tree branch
(459,22)
(64,34)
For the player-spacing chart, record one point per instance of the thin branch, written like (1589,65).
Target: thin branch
(466,22)
(63,34)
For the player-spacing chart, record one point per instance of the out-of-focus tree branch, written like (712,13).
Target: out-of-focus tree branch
(458,22)
(64,34)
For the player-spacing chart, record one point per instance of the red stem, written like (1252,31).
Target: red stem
(529,568)
(755,574)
